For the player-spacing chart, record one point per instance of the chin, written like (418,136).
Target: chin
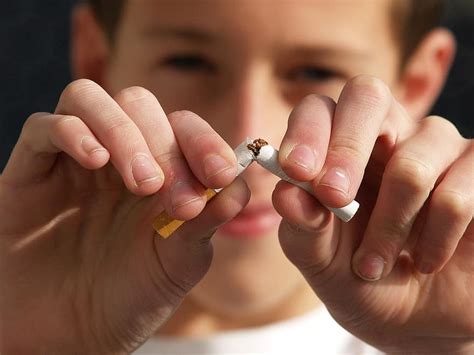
(246,279)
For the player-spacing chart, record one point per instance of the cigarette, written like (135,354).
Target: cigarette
(165,225)
(267,157)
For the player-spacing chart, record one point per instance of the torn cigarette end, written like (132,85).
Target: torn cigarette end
(256,145)
(259,150)
(165,225)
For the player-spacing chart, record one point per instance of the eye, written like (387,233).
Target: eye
(311,73)
(189,63)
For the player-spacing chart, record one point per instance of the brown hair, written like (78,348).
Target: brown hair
(411,20)
(108,14)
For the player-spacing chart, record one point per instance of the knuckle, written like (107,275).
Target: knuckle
(391,231)
(299,254)
(31,121)
(182,114)
(168,158)
(388,238)
(347,147)
(204,143)
(439,124)
(411,174)
(290,228)
(437,249)
(119,131)
(317,100)
(315,269)
(221,216)
(63,123)
(174,166)
(133,94)
(31,127)
(305,229)
(79,88)
(306,115)
(391,237)
(456,206)
(371,89)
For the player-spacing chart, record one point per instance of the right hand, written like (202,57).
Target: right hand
(81,268)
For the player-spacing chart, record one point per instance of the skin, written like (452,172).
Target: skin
(92,276)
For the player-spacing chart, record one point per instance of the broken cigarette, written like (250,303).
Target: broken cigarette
(165,225)
(267,157)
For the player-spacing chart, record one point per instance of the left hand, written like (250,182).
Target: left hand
(400,275)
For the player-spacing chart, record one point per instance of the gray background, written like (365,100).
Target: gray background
(34,45)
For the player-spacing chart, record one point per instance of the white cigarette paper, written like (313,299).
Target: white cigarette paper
(164,225)
(268,159)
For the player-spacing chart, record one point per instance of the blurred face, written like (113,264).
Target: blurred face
(242,65)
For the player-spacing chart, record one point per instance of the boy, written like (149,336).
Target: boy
(82,270)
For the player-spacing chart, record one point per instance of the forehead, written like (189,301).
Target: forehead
(353,23)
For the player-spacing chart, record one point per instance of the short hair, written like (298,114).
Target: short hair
(411,20)
(108,14)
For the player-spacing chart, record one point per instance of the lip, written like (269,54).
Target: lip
(251,223)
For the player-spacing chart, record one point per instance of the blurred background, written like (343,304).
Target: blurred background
(34,64)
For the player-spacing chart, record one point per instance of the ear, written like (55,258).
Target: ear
(89,46)
(426,71)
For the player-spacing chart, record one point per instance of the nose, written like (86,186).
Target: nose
(252,107)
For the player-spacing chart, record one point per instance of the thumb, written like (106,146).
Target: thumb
(307,232)
(318,244)
(187,254)
(321,247)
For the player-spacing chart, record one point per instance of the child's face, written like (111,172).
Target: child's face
(242,65)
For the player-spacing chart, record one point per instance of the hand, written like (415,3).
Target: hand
(81,268)
(401,274)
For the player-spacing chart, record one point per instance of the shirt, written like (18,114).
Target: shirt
(313,333)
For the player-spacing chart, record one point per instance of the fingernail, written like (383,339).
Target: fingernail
(371,267)
(182,193)
(337,179)
(215,164)
(303,156)
(90,145)
(143,170)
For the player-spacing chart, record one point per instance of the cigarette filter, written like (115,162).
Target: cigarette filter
(267,157)
(165,225)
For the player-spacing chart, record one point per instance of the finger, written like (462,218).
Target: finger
(304,232)
(45,135)
(363,106)
(450,212)
(187,256)
(211,159)
(182,195)
(304,146)
(408,179)
(128,149)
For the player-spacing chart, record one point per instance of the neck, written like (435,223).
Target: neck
(193,320)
